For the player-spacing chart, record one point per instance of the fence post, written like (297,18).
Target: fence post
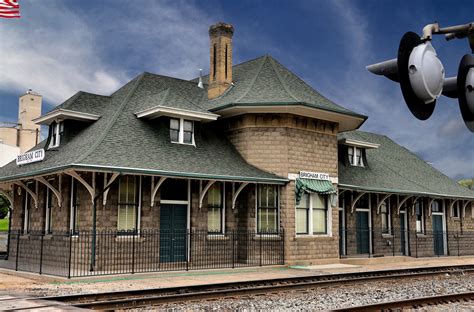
(17,249)
(260,241)
(187,249)
(393,240)
(282,246)
(41,254)
(416,245)
(232,236)
(458,238)
(70,254)
(133,253)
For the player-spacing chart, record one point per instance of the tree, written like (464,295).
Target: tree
(4,204)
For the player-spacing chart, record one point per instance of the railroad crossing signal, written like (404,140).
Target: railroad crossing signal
(421,73)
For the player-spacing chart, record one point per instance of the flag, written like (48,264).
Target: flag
(9,9)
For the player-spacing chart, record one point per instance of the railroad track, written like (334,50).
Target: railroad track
(158,296)
(414,303)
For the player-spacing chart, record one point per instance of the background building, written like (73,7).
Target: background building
(17,138)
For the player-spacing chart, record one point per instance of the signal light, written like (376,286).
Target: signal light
(421,74)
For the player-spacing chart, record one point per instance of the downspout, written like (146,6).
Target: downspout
(94,224)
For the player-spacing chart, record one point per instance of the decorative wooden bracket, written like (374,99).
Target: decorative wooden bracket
(464,209)
(430,202)
(400,204)
(414,205)
(354,202)
(155,188)
(32,194)
(90,188)
(107,183)
(236,193)
(56,192)
(204,191)
(451,205)
(379,204)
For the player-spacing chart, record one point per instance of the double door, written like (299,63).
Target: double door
(173,234)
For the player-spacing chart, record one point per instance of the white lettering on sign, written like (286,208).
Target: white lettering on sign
(30,157)
(314,175)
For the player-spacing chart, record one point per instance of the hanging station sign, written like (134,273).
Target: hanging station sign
(30,157)
(314,175)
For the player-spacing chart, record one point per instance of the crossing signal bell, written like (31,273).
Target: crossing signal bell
(422,77)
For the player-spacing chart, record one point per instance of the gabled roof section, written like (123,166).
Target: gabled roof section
(392,168)
(263,84)
(169,103)
(119,141)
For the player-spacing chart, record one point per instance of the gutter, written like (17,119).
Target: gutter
(384,190)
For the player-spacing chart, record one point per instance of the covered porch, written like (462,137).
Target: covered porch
(89,222)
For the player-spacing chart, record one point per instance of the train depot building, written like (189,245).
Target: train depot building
(247,166)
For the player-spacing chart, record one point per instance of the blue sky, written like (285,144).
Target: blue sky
(60,47)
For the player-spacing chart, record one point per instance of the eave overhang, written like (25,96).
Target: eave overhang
(346,121)
(143,171)
(64,114)
(357,143)
(158,111)
(400,192)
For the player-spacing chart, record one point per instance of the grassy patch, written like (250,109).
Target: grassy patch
(4,224)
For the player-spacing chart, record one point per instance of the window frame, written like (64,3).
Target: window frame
(259,208)
(181,131)
(56,132)
(74,205)
(310,215)
(137,205)
(221,208)
(456,211)
(388,216)
(48,200)
(420,206)
(354,160)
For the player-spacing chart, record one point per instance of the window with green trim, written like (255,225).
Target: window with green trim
(214,208)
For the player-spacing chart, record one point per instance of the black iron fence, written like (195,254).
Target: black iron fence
(397,242)
(78,254)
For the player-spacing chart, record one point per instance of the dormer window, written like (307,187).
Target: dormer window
(355,156)
(57,129)
(181,131)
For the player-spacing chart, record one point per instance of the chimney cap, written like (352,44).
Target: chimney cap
(221,28)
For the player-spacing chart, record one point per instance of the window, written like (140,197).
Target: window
(127,219)
(214,208)
(311,213)
(385,215)
(26,213)
(456,210)
(57,129)
(420,217)
(181,131)
(48,203)
(74,215)
(355,156)
(436,207)
(267,209)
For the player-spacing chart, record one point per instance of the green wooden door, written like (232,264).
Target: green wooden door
(438,235)
(173,223)
(362,232)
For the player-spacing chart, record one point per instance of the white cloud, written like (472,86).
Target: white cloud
(57,51)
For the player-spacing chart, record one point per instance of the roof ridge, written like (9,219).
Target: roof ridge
(163,76)
(254,79)
(281,79)
(114,118)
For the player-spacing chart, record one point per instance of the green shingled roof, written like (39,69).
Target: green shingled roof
(265,81)
(119,141)
(393,168)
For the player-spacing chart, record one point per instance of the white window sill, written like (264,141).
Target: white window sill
(421,234)
(308,236)
(189,144)
(129,238)
(387,235)
(217,236)
(267,237)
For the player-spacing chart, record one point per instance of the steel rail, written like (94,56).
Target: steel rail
(413,302)
(157,296)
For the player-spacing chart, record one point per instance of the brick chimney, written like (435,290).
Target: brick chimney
(220,76)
